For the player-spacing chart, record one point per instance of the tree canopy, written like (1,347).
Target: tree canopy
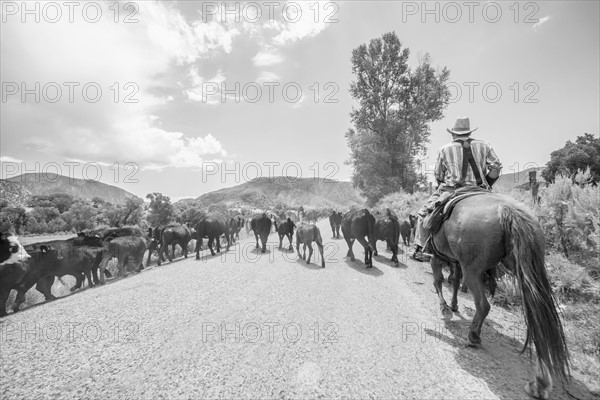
(161,209)
(396,104)
(583,153)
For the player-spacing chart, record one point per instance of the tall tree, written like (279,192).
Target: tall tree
(396,104)
(585,152)
(161,209)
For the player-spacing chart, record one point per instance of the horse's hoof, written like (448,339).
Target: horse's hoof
(73,289)
(323,265)
(352,259)
(446,311)
(454,307)
(534,390)
(474,340)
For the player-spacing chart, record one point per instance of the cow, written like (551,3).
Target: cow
(107,233)
(80,257)
(387,227)
(311,215)
(306,234)
(213,227)
(154,236)
(407,229)
(125,249)
(356,225)
(231,229)
(335,220)
(22,276)
(261,226)
(172,235)
(286,228)
(11,250)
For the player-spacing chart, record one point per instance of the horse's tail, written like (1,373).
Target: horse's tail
(525,250)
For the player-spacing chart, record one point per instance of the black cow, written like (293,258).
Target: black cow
(11,250)
(387,227)
(44,262)
(125,249)
(356,225)
(80,257)
(154,236)
(407,229)
(286,228)
(261,225)
(211,227)
(335,220)
(107,233)
(172,235)
(306,234)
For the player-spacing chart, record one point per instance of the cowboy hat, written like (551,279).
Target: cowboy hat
(462,126)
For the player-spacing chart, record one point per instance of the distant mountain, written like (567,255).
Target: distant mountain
(519,179)
(18,189)
(263,193)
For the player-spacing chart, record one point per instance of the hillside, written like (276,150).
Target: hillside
(19,188)
(510,180)
(293,192)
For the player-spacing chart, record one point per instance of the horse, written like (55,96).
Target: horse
(487,229)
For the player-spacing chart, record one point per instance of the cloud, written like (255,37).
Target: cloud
(9,159)
(540,22)
(268,76)
(305,26)
(127,62)
(265,59)
(207,91)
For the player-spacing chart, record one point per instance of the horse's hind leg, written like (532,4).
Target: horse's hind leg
(438,278)
(368,251)
(457,273)
(475,285)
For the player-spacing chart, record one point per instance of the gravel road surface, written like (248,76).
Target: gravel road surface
(247,325)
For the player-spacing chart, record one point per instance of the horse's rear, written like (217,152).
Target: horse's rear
(487,229)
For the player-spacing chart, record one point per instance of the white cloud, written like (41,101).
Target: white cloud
(305,26)
(266,58)
(267,76)
(109,130)
(8,159)
(540,22)
(206,91)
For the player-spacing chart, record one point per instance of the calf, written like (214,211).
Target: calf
(335,220)
(387,227)
(173,235)
(306,234)
(407,229)
(286,228)
(261,225)
(125,249)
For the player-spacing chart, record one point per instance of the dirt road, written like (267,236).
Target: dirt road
(249,325)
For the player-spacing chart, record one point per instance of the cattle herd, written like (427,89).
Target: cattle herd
(89,252)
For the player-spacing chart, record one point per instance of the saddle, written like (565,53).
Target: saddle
(442,209)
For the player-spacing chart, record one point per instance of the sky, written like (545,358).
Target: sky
(187,97)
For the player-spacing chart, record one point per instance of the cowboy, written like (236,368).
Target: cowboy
(462,162)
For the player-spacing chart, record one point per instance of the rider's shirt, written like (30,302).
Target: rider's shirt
(448,166)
